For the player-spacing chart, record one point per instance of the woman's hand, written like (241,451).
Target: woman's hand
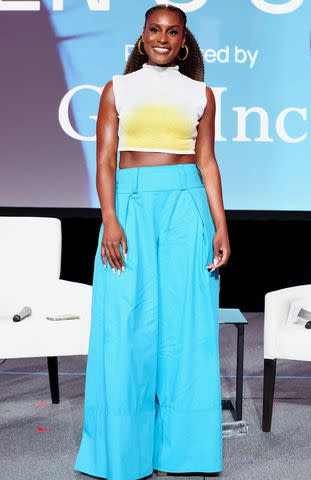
(112,237)
(222,250)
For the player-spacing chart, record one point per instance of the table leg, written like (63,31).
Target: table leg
(239,371)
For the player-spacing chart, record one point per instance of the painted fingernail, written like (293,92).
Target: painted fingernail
(125,256)
(113,270)
(119,271)
(105,266)
(123,268)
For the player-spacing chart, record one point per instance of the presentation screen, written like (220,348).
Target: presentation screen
(57,55)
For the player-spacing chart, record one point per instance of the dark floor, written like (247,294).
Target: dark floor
(40,440)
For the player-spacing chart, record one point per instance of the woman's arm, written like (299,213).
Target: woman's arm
(207,163)
(106,152)
(106,165)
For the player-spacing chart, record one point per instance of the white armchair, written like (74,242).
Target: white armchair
(282,340)
(30,260)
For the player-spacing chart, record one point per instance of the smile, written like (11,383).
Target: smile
(161,50)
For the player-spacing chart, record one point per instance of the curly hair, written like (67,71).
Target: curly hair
(192,66)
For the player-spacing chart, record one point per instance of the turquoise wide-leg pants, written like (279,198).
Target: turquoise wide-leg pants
(153,391)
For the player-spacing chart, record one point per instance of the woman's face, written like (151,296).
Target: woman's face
(163,37)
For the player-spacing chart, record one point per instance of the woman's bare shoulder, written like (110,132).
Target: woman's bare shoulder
(107,95)
(108,87)
(107,99)
(209,94)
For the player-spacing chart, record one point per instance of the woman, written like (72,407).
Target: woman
(152,392)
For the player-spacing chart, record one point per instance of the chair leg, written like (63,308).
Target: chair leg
(268,393)
(53,378)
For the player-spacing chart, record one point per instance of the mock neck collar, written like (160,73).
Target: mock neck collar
(160,68)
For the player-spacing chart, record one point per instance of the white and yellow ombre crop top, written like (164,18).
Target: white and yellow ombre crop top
(159,109)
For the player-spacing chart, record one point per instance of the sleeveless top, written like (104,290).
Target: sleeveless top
(158,109)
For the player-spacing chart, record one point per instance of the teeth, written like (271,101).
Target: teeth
(159,49)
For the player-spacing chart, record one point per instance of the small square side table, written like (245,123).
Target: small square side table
(234,316)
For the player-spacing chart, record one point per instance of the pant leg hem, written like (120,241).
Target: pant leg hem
(186,469)
(95,473)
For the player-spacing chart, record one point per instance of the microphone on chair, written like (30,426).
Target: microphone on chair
(25,312)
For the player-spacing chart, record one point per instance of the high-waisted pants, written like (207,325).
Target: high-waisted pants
(152,389)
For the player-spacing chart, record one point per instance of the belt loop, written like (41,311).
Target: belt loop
(135,180)
(182,177)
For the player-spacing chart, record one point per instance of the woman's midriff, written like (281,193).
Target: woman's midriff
(130,159)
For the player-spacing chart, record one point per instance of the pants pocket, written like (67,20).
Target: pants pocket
(200,202)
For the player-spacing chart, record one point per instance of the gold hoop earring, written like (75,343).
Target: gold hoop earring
(187,52)
(139,47)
